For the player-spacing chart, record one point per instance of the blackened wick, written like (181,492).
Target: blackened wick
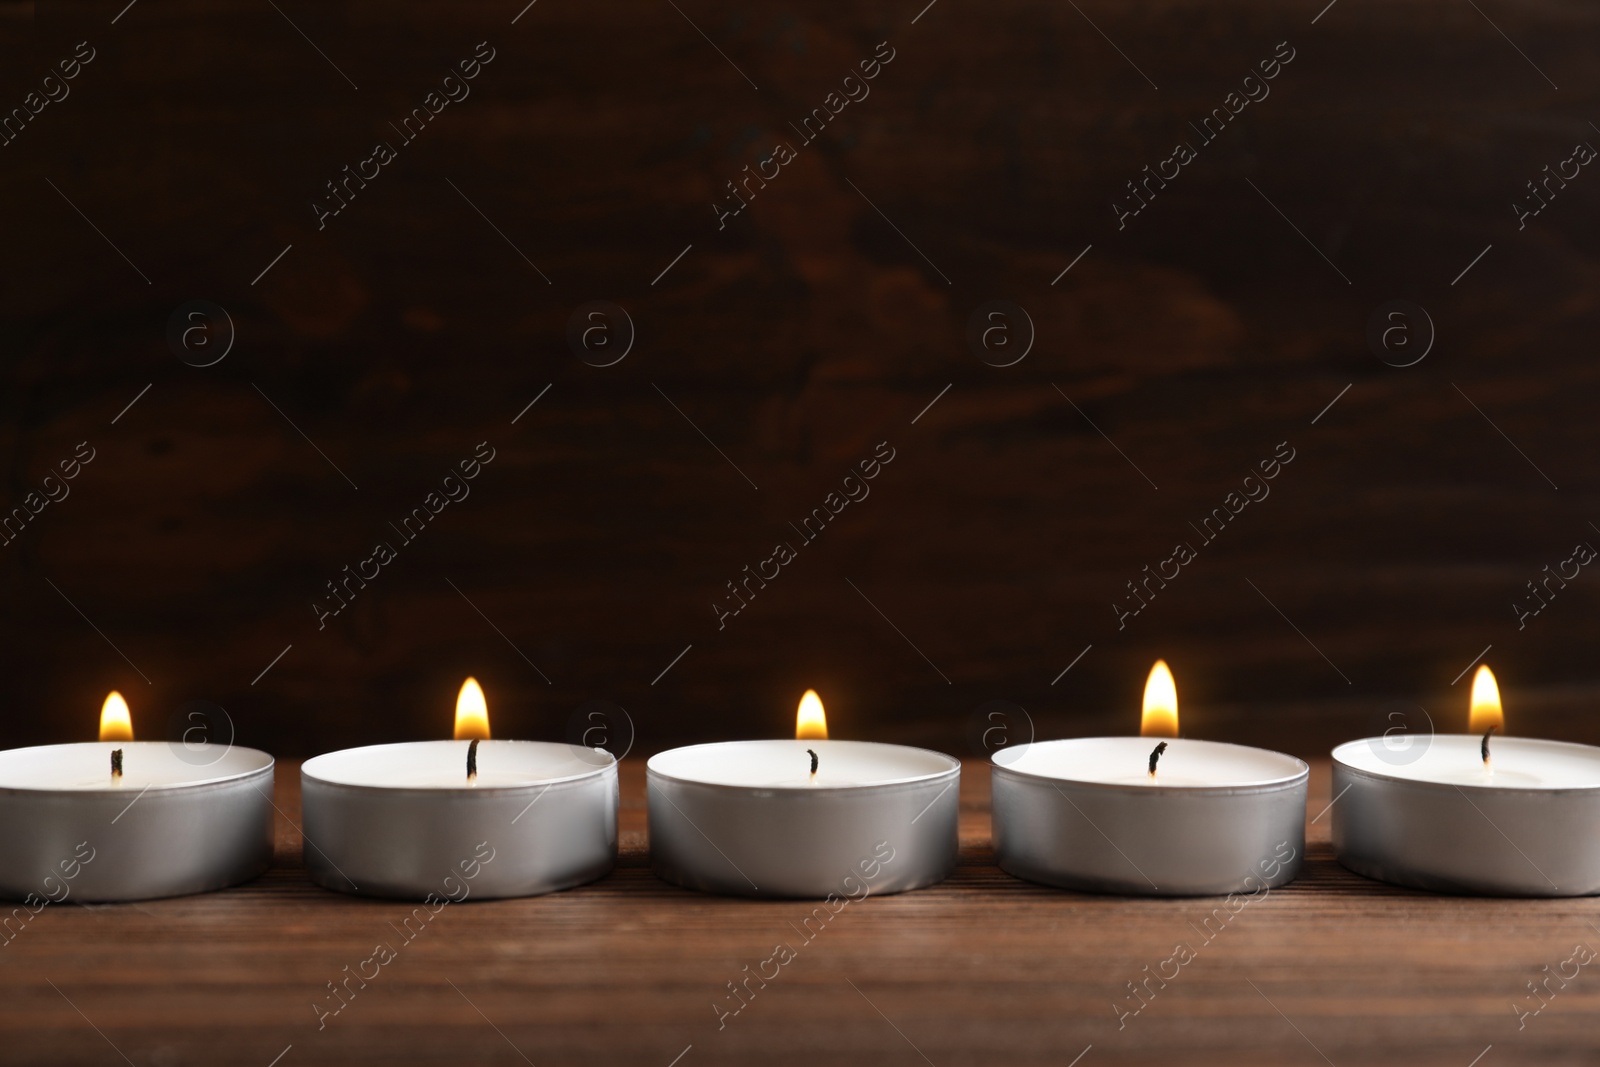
(1155,757)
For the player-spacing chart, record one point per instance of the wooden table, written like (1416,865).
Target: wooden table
(980,969)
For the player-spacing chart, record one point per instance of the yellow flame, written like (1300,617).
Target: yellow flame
(115,722)
(1160,717)
(472,712)
(1486,711)
(810,721)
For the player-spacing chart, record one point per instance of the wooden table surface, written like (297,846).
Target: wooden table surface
(980,969)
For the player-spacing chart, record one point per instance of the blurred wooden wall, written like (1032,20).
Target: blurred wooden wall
(416,325)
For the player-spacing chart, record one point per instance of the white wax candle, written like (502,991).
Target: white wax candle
(145,764)
(749,817)
(1425,812)
(402,820)
(1085,813)
(784,764)
(443,765)
(182,819)
(1457,759)
(1126,761)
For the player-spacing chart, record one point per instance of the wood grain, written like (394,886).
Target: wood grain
(982,969)
(1195,339)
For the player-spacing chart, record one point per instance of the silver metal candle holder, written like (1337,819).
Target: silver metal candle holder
(798,840)
(1481,833)
(204,824)
(1148,840)
(556,830)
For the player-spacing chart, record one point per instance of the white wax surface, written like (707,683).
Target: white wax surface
(1456,759)
(443,765)
(1126,761)
(784,764)
(154,764)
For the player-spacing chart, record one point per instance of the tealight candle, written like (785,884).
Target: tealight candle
(119,819)
(1150,818)
(408,820)
(808,818)
(1470,813)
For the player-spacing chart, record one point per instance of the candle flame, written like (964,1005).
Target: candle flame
(472,713)
(810,721)
(1486,712)
(1160,717)
(115,722)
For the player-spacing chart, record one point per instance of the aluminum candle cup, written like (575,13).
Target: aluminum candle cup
(1085,814)
(749,818)
(1527,825)
(184,819)
(401,821)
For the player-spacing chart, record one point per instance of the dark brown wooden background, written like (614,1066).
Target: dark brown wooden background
(807,331)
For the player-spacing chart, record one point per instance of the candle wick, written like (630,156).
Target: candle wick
(1485,748)
(116,765)
(813,756)
(472,762)
(1156,756)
